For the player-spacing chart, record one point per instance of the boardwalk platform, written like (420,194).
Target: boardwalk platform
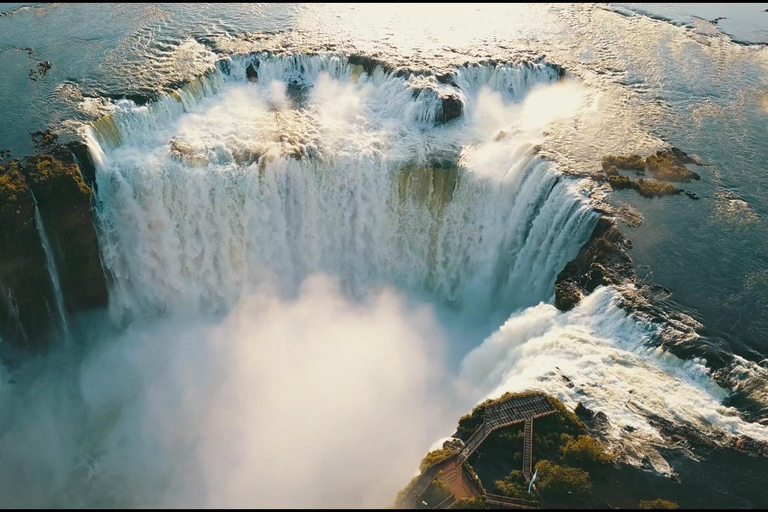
(499,414)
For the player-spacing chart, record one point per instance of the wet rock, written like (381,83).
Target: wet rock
(669,165)
(25,288)
(567,295)
(620,182)
(648,188)
(645,188)
(451,107)
(368,63)
(251,73)
(64,201)
(583,412)
(603,260)
(631,162)
(690,194)
(446,78)
(43,67)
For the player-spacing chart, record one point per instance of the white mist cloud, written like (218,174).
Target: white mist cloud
(309,402)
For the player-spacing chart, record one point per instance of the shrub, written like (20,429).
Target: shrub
(436,492)
(434,457)
(584,450)
(478,502)
(513,486)
(562,480)
(658,504)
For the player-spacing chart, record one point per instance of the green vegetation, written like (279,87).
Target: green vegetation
(478,502)
(514,486)
(471,422)
(404,492)
(562,480)
(620,181)
(12,185)
(645,188)
(436,492)
(665,166)
(584,451)
(650,188)
(632,162)
(658,504)
(435,457)
(54,180)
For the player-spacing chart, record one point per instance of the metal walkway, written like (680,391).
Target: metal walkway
(499,414)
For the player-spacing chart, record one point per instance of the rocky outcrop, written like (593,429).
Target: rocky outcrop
(64,203)
(603,260)
(645,188)
(64,200)
(26,296)
(451,107)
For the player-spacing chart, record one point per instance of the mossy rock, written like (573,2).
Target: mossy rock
(567,295)
(56,180)
(630,162)
(667,166)
(620,182)
(435,457)
(648,188)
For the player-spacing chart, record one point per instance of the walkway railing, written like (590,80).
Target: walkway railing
(502,413)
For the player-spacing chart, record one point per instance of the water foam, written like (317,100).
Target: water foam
(318,168)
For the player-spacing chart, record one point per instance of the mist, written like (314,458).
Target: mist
(314,401)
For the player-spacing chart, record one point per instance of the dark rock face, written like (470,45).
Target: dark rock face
(25,288)
(251,73)
(64,203)
(451,107)
(603,260)
(368,63)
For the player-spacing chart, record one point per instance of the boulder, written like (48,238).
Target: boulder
(451,107)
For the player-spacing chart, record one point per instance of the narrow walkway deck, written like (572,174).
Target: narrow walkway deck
(499,414)
(528,449)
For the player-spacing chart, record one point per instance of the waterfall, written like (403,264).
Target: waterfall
(53,273)
(227,184)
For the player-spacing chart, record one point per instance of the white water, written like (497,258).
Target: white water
(197,230)
(53,273)
(612,366)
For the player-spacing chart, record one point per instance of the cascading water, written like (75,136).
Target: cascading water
(320,168)
(53,272)
(317,168)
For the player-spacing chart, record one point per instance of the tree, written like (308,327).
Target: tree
(584,450)
(562,480)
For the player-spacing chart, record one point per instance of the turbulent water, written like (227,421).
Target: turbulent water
(311,277)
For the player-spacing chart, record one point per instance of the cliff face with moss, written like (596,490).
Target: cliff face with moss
(25,288)
(64,202)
